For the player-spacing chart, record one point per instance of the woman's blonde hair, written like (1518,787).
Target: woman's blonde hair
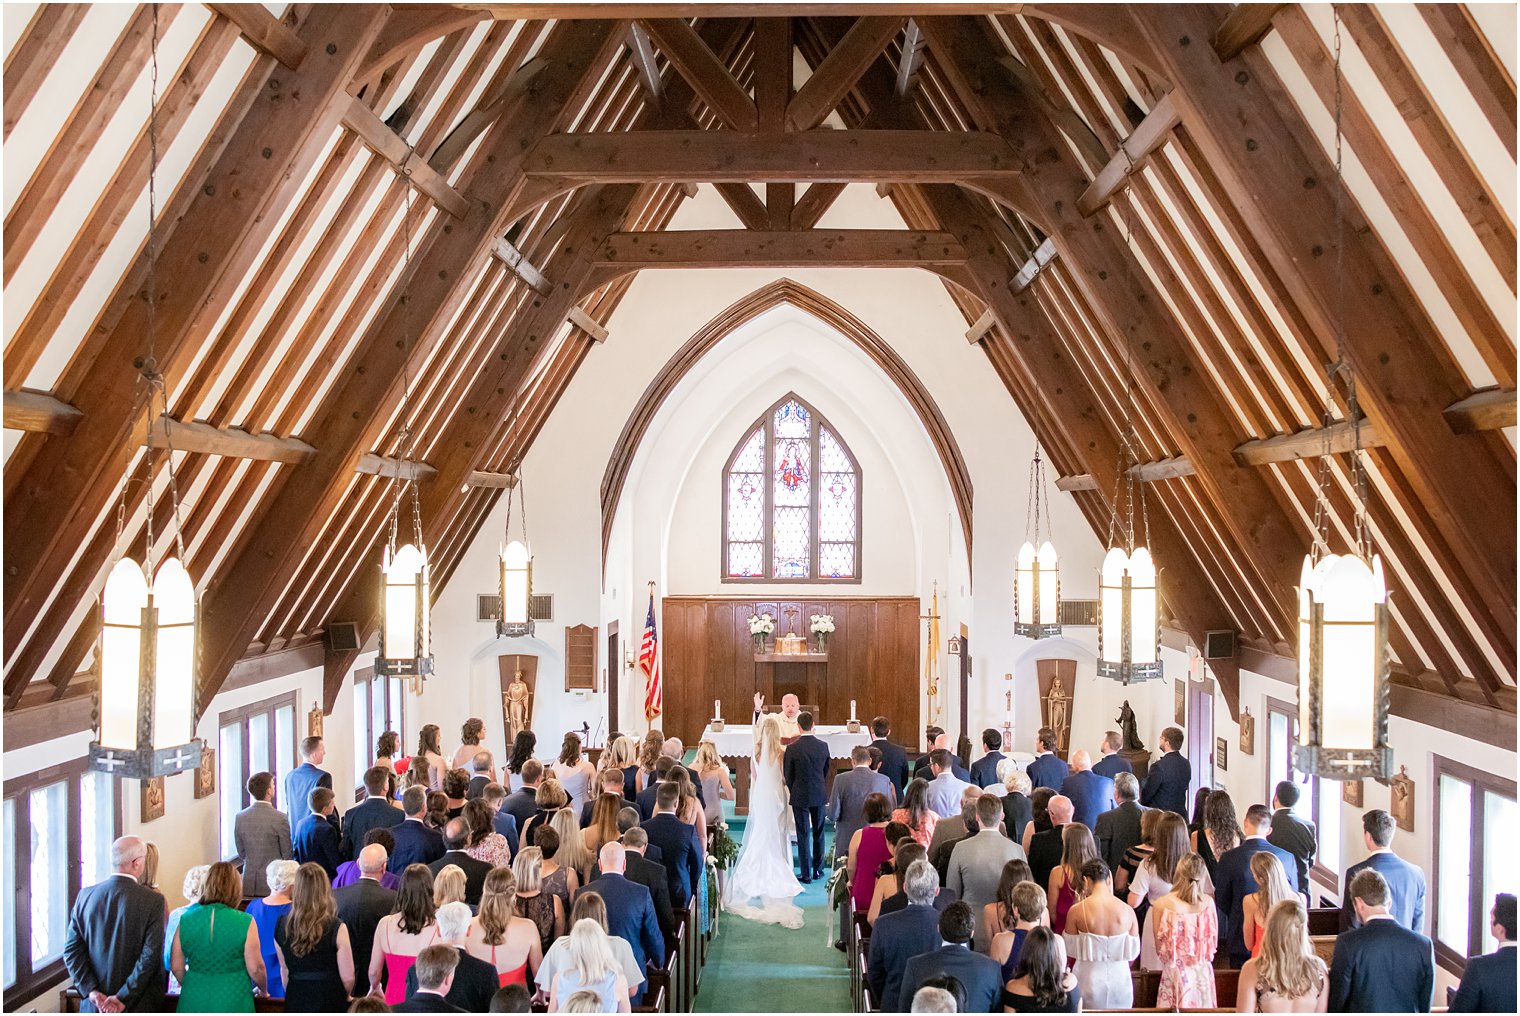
(1015,780)
(651,750)
(584,1000)
(195,882)
(604,818)
(1187,878)
(707,757)
(1287,965)
(551,795)
(496,900)
(528,870)
(280,875)
(312,909)
(572,852)
(590,953)
(768,739)
(1271,881)
(448,885)
(150,866)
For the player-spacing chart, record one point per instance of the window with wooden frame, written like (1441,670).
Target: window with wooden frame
(791,501)
(256,738)
(379,705)
(58,825)
(1319,799)
(1473,860)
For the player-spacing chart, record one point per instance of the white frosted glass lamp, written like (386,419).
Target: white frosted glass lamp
(405,639)
(1129,633)
(516,591)
(1037,592)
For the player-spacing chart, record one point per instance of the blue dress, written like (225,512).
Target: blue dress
(266,917)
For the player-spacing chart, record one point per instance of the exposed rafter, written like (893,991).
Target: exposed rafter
(265,32)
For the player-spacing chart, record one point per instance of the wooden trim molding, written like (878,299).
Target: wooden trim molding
(785,291)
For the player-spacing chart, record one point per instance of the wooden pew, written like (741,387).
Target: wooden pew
(69,1001)
(1324,921)
(1324,947)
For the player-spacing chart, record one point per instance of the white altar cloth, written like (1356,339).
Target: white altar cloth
(738,739)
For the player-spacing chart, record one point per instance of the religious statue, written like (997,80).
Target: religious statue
(517,706)
(1126,721)
(1058,719)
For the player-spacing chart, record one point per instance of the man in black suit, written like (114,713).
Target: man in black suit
(894,761)
(1406,883)
(628,820)
(474,980)
(645,799)
(651,875)
(374,812)
(1380,966)
(1233,880)
(315,840)
(1295,835)
(454,834)
(898,937)
(611,783)
(805,765)
(360,906)
(678,844)
(984,770)
(434,972)
(1112,763)
(939,739)
(630,909)
(1119,827)
(1488,983)
(979,975)
(415,842)
(523,804)
(1045,846)
(114,949)
(479,777)
(1166,784)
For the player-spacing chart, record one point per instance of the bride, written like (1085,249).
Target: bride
(763,871)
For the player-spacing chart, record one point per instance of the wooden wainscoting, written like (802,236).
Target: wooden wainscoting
(873,659)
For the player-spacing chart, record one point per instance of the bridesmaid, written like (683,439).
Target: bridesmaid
(316,960)
(216,956)
(399,937)
(1102,936)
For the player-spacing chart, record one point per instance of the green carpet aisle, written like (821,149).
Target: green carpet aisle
(766,968)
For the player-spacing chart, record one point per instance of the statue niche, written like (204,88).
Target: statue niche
(519,684)
(1058,680)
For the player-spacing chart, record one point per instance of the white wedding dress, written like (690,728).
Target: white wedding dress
(761,885)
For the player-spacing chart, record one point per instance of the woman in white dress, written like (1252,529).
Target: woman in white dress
(574,772)
(763,871)
(1103,938)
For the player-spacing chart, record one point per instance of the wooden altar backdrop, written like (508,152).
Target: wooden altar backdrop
(708,654)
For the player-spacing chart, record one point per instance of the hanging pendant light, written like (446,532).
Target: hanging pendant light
(1129,617)
(1342,598)
(406,625)
(516,559)
(1037,576)
(146,696)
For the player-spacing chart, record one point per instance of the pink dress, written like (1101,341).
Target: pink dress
(1185,944)
(1066,898)
(396,967)
(869,857)
(923,835)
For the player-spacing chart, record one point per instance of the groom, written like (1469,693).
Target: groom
(806,768)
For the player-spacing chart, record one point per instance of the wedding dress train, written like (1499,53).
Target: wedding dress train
(763,871)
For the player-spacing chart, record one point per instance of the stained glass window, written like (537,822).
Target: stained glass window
(791,501)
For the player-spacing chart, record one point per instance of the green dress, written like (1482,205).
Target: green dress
(216,978)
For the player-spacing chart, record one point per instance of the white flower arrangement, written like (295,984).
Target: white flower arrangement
(761,624)
(823,624)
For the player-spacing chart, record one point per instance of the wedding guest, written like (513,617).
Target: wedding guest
(1406,883)
(1166,783)
(448,885)
(915,812)
(1017,810)
(312,947)
(481,775)
(375,812)
(1090,794)
(316,839)
(623,755)
(195,881)
(984,770)
(1043,983)
(522,802)
(483,842)
(998,916)
(435,976)
(545,910)
(1103,938)
(1153,879)
(976,865)
(1235,881)
(1220,832)
(149,877)
(303,779)
(848,796)
(554,878)
(455,834)
(456,788)
(472,739)
(658,775)
(260,834)
(114,947)
(714,779)
(950,831)
(691,810)
(890,897)
(1047,770)
(650,752)
(603,825)
(523,746)
(510,944)
(362,904)
(1272,889)
(591,965)
(430,750)
(868,848)
(387,747)
(629,912)
(370,1003)
(945,789)
(1379,965)
(513,998)
(1118,829)
(1298,836)
(475,980)
(280,876)
(415,841)
(651,875)
(1124,876)
(1186,938)
(894,761)
(899,936)
(1039,815)
(402,936)
(1111,764)
(1045,848)
(437,809)
(1488,983)
(572,856)
(932,998)
(550,797)
(574,772)
(1064,885)
(1288,976)
(215,955)
(977,974)
(1027,901)
(678,845)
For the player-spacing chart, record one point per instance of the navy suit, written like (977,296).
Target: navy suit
(1112,765)
(959,771)
(806,766)
(895,939)
(1091,795)
(317,842)
(1166,784)
(1047,770)
(1298,837)
(1233,882)
(894,764)
(979,975)
(415,844)
(299,783)
(652,876)
(371,813)
(645,802)
(984,769)
(1406,891)
(631,916)
(477,787)
(1382,967)
(521,805)
(683,855)
(1488,984)
(505,824)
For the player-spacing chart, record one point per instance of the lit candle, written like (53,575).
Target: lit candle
(717,712)
(852,709)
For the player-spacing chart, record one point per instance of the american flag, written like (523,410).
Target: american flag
(649,663)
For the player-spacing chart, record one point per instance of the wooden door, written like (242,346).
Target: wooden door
(614,671)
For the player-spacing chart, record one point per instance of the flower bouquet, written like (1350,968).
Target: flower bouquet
(761,625)
(822,627)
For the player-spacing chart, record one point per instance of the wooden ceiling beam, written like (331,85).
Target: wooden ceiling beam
(520,266)
(741,248)
(745,203)
(566,10)
(1493,409)
(708,76)
(772,72)
(232,442)
(520,87)
(1482,70)
(1244,26)
(642,52)
(393,468)
(31,59)
(39,413)
(390,146)
(1043,255)
(405,33)
(861,46)
(909,60)
(265,32)
(1154,131)
(814,203)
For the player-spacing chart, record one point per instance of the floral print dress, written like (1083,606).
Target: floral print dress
(1185,944)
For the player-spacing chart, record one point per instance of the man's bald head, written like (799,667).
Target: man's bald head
(1060,810)
(790,706)
(1081,761)
(612,859)
(127,853)
(673,748)
(941,741)
(372,860)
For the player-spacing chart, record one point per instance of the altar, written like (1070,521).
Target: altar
(736,743)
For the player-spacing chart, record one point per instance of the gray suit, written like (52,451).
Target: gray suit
(945,831)
(847,802)
(976,866)
(262,834)
(1118,829)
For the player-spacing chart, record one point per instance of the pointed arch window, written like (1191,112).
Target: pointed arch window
(791,501)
